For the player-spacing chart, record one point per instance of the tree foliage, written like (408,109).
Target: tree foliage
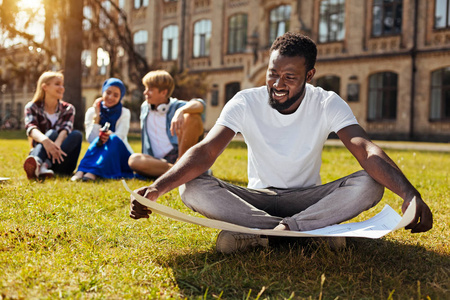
(109,28)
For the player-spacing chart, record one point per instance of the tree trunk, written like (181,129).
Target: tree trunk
(72,65)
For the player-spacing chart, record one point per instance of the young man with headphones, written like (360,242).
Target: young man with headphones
(169,127)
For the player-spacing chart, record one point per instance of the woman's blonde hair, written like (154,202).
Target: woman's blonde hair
(161,80)
(46,77)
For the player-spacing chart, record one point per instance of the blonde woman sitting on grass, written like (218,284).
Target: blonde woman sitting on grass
(49,124)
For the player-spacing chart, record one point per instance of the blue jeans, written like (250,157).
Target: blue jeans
(301,208)
(71,146)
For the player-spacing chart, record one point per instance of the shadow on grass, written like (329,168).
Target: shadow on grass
(365,269)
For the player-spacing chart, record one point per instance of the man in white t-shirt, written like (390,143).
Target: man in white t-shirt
(285,125)
(168,126)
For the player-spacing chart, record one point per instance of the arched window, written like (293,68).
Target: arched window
(382,104)
(386,17)
(231,89)
(440,95)
(237,33)
(329,83)
(169,49)
(202,38)
(332,21)
(140,39)
(279,21)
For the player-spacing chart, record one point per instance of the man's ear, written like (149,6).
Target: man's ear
(166,91)
(310,75)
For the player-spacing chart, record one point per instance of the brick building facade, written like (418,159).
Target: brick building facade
(389,59)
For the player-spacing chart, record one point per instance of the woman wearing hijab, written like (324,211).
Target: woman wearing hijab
(108,153)
(49,125)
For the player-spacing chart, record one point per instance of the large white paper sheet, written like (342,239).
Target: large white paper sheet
(381,224)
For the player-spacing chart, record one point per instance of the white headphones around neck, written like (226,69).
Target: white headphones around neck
(162,108)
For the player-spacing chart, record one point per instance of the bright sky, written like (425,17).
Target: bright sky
(35,28)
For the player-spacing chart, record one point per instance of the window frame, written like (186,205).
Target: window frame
(325,17)
(283,17)
(237,33)
(329,80)
(201,36)
(231,88)
(440,89)
(103,61)
(381,96)
(383,9)
(137,4)
(446,3)
(140,47)
(170,43)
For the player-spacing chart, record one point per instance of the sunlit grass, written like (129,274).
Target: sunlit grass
(60,239)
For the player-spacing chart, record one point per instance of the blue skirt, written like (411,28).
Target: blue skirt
(107,161)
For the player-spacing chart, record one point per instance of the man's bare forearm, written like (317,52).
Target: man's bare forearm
(192,164)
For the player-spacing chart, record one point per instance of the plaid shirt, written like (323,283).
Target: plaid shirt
(35,117)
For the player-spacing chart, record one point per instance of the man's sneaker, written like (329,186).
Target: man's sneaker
(31,167)
(229,242)
(44,172)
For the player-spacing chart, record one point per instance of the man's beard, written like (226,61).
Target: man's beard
(280,107)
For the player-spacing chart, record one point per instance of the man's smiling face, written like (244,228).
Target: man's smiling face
(286,79)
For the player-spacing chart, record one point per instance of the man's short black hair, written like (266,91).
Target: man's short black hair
(296,44)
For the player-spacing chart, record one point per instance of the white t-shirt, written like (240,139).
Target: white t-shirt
(285,151)
(157,131)
(52,117)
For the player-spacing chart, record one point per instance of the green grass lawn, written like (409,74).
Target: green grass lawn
(60,239)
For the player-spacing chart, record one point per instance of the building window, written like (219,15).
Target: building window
(103,15)
(19,111)
(140,40)
(331,24)
(441,14)
(87,18)
(440,95)
(86,62)
(382,96)
(329,83)
(202,38)
(140,3)
(102,61)
(214,97)
(387,17)
(237,33)
(170,43)
(279,21)
(231,89)
(8,111)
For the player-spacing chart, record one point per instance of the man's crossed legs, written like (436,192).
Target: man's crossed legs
(300,209)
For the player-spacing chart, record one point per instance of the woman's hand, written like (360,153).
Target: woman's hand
(97,105)
(104,136)
(54,151)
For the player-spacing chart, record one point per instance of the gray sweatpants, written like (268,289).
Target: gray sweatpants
(300,209)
